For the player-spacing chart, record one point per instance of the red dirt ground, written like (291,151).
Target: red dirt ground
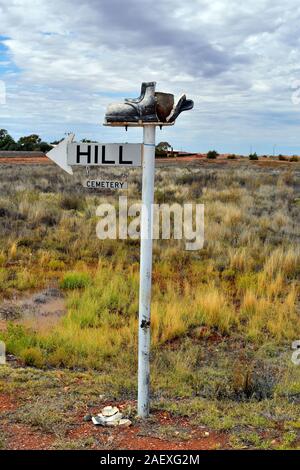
(133,438)
(199,158)
(140,436)
(6,403)
(143,436)
(25,160)
(22,437)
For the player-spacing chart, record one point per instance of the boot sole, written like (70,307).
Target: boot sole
(151,118)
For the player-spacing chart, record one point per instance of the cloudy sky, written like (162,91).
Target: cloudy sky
(63,61)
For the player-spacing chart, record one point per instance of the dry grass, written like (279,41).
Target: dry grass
(223,318)
(244,281)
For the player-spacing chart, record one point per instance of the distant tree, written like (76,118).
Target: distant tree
(3,134)
(253,156)
(165,146)
(212,154)
(6,141)
(29,142)
(162,149)
(45,147)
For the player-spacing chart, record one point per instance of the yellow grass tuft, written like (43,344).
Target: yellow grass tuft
(211,308)
(13,250)
(240,259)
(285,261)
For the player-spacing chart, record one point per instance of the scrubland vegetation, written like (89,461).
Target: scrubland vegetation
(223,318)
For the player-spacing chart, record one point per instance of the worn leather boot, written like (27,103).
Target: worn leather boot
(150,106)
(182,105)
(143,91)
(134,110)
(164,106)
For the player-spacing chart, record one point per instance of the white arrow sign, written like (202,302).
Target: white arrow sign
(68,153)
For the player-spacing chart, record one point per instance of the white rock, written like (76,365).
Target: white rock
(113,420)
(97,420)
(125,422)
(109,410)
(110,419)
(112,423)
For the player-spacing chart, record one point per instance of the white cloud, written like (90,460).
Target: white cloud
(2,92)
(236,60)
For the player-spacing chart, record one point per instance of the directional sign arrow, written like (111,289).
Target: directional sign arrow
(69,153)
(59,154)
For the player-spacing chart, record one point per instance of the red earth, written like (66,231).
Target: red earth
(200,158)
(138,436)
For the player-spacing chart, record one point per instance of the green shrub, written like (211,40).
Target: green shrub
(229,274)
(56,265)
(32,357)
(282,158)
(49,218)
(75,280)
(72,202)
(2,258)
(294,158)
(58,357)
(253,156)
(24,280)
(212,154)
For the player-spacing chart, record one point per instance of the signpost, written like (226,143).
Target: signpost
(146,271)
(69,153)
(150,110)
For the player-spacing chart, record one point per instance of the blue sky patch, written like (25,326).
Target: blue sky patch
(6,64)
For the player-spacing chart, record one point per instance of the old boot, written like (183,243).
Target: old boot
(182,105)
(134,110)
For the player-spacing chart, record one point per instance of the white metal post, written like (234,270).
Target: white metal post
(146,270)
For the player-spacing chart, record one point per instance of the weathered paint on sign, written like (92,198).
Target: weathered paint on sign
(104,184)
